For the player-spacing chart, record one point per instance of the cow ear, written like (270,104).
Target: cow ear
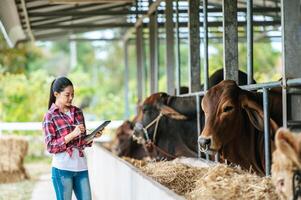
(289,144)
(170,112)
(255,114)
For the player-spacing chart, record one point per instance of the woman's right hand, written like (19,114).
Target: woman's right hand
(79,129)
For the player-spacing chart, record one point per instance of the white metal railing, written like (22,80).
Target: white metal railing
(37,126)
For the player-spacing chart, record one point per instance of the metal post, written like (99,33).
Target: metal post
(126,80)
(291,51)
(170,53)
(250,40)
(153,45)
(198,117)
(194,46)
(139,53)
(267,142)
(206,64)
(230,40)
(178,54)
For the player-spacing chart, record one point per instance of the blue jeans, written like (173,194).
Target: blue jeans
(65,181)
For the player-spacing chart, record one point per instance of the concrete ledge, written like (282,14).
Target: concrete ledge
(113,178)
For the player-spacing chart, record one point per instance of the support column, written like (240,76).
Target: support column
(170,53)
(126,81)
(194,46)
(250,40)
(230,39)
(153,45)
(140,66)
(178,54)
(291,51)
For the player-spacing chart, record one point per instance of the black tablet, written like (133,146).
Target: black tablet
(90,137)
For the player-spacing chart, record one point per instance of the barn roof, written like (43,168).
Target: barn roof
(45,19)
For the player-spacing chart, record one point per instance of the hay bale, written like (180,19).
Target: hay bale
(12,153)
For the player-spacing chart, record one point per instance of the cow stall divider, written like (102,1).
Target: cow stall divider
(265,87)
(113,178)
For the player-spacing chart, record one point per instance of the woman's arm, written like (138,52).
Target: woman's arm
(54,144)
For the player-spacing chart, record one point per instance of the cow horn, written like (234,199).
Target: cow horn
(170,112)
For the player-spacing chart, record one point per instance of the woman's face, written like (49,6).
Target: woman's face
(65,97)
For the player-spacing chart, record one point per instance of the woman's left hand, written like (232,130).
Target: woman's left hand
(98,134)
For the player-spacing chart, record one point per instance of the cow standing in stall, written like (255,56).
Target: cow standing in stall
(123,143)
(286,167)
(175,132)
(169,125)
(234,124)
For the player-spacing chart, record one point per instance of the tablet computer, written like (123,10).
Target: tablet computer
(88,138)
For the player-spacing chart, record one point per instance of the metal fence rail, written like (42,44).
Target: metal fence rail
(37,126)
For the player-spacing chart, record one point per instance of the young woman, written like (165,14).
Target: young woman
(64,128)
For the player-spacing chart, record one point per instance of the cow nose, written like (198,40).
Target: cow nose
(204,141)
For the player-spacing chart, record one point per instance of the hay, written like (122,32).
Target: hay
(137,163)
(215,182)
(224,182)
(12,153)
(176,176)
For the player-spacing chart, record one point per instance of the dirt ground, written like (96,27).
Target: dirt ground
(23,190)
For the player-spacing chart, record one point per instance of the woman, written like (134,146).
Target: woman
(64,128)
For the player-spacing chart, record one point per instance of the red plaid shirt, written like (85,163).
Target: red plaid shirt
(56,125)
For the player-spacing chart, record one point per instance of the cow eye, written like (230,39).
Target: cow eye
(227,108)
(280,183)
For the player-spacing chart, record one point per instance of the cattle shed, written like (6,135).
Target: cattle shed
(146,23)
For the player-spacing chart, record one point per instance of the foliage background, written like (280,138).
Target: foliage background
(26,73)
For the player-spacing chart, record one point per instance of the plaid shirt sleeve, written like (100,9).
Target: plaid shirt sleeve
(54,144)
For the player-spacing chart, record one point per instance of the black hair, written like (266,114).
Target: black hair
(58,85)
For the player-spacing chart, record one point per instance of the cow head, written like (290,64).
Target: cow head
(226,106)
(286,161)
(123,139)
(154,106)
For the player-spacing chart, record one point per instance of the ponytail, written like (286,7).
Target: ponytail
(58,85)
(51,95)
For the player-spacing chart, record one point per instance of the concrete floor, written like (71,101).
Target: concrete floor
(44,189)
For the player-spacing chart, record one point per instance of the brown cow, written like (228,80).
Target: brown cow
(124,145)
(234,124)
(286,164)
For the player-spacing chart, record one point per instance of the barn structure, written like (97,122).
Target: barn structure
(145,22)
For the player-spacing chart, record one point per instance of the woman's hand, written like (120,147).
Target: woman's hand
(98,134)
(79,129)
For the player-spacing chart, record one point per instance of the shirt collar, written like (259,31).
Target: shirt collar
(55,108)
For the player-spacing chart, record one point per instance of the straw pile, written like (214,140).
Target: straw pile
(224,182)
(176,176)
(12,153)
(215,182)
(137,163)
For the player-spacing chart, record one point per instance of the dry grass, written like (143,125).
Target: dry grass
(223,182)
(176,176)
(218,182)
